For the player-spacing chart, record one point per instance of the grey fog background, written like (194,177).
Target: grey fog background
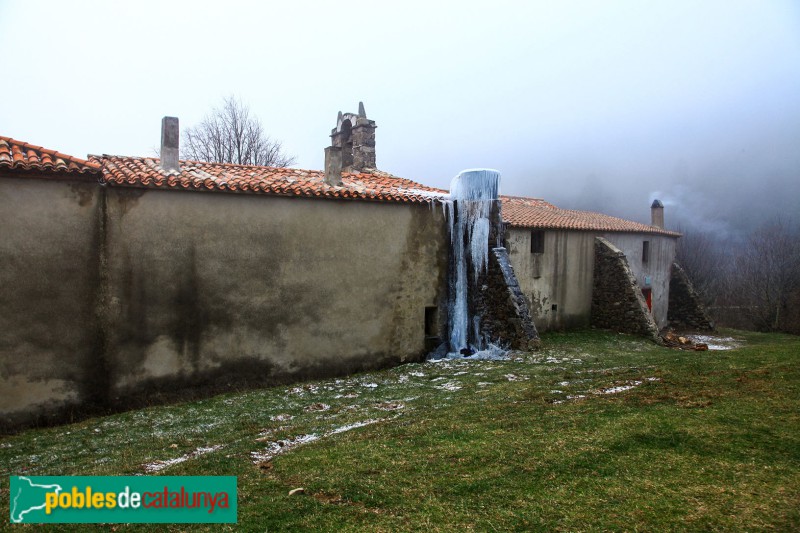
(591,105)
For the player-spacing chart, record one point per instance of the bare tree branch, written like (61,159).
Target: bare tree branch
(231,135)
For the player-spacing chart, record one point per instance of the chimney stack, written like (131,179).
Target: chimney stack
(657,214)
(333,166)
(170,133)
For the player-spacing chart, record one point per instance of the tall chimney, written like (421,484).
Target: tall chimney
(170,134)
(657,214)
(333,166)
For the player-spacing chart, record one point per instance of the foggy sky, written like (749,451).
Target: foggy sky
(591,105)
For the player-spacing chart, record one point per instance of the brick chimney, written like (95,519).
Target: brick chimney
(170,133)
(657,214)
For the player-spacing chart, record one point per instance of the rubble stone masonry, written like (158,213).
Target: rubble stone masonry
(617,300)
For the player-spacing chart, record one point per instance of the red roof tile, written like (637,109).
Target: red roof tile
(536,213)
(196,175)
(18,155)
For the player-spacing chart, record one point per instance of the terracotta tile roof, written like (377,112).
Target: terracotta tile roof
(536,213)
(18,155)
(194,175)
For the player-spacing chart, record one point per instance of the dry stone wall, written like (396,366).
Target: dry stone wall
(686,311)
(617,300)
(506,317)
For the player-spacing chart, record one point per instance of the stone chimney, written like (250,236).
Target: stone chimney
(354,134)
(657,214)
(363,141)
(333,166)
(170,134)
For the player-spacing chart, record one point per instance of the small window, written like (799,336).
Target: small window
(645,251)
(537,242)
(431,321)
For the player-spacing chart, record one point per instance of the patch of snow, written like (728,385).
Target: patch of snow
(484,383)
(354,425)
(450,386)
(514,377)
(370,385)
(715,343)
(417,374)
(282,446)
(619,388)
(157,466)
(281,417)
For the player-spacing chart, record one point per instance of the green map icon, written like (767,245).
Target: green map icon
(27,499)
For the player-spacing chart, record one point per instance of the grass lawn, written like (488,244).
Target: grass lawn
(597,431)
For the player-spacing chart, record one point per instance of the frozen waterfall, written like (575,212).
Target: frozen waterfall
(473,195)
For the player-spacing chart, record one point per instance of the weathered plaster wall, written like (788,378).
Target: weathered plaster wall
(561,276)
(657,268)
(220,290)
(116,296)
(49,338)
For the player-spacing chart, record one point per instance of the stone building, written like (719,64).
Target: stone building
(553,252)
(130,280)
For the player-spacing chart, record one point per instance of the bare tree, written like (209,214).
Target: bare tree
(231,135)
(702,255)
(767,276)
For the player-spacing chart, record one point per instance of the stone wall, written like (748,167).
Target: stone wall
(653,274)
(617,300)
(686,310)
(506,317)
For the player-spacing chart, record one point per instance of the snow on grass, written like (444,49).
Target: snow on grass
(157,466)
(282,446)
(354,425)
(714,342)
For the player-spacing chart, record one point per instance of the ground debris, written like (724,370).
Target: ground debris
(673,340)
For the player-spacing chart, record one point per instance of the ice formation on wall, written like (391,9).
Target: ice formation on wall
(473,194)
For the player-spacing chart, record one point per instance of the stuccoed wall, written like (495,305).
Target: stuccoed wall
(116,297)
(562,275)
(49,339)
(219,290)
(658,268)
